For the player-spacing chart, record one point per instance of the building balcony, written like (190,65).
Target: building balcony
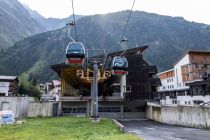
(75,98)
(151,69)
(111,98)
(88,98)
(155,82)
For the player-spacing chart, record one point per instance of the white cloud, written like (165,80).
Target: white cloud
(193,10)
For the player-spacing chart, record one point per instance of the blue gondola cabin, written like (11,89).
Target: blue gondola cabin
(119,66)
(75,53)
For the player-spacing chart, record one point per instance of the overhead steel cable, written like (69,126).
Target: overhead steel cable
(75,29)
(129,16)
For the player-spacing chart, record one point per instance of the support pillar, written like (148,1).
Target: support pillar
(121,111)
(122,86)
(94,93)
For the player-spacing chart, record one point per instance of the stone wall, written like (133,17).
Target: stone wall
(41,109)
(18,105)
(180,115)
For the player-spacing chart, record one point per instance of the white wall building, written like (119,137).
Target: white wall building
(180,84)
(188,69)
(167,80)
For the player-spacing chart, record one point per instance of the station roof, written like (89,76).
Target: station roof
(128,52)
(191,52)
(56,82)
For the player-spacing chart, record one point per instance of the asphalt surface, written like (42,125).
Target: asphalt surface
(150,130)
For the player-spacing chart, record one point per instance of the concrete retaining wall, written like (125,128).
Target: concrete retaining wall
(134,115)
(112,115)
(40,109)
(181,115)
(18,105)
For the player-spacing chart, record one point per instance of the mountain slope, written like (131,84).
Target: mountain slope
(168,38)
(15,23)
(50,23)
(34,56)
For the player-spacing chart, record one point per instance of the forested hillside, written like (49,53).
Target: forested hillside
(15,23)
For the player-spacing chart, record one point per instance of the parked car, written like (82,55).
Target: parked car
(48,98)
(206,104)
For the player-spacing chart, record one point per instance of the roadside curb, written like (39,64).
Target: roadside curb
(119,125)
(134,119)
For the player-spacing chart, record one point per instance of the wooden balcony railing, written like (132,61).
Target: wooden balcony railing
(151,69)
(88,98)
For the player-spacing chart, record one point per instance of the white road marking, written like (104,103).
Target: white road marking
(150,128)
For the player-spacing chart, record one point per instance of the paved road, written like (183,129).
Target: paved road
(150,130)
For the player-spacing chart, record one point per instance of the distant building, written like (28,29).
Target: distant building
(45,88)
(50,90)
(167,80)
(48,87)
(175,87)
(41,88)
(119,97)
(8,85)
(201,89)
(56,89)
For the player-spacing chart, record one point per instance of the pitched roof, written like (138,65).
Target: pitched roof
(165,71)
(8,78)
(192,52)
(56,82)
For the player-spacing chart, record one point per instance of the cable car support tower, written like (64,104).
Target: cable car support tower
(77,56)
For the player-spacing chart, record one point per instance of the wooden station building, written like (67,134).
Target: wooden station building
(119,97)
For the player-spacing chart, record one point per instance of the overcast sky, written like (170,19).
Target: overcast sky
(192,10)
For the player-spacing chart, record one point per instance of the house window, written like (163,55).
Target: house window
(174,101)
(75,110)
(128,88)
(196,65)
(116,88)
(197,102)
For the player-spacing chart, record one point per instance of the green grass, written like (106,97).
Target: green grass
(66,128)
